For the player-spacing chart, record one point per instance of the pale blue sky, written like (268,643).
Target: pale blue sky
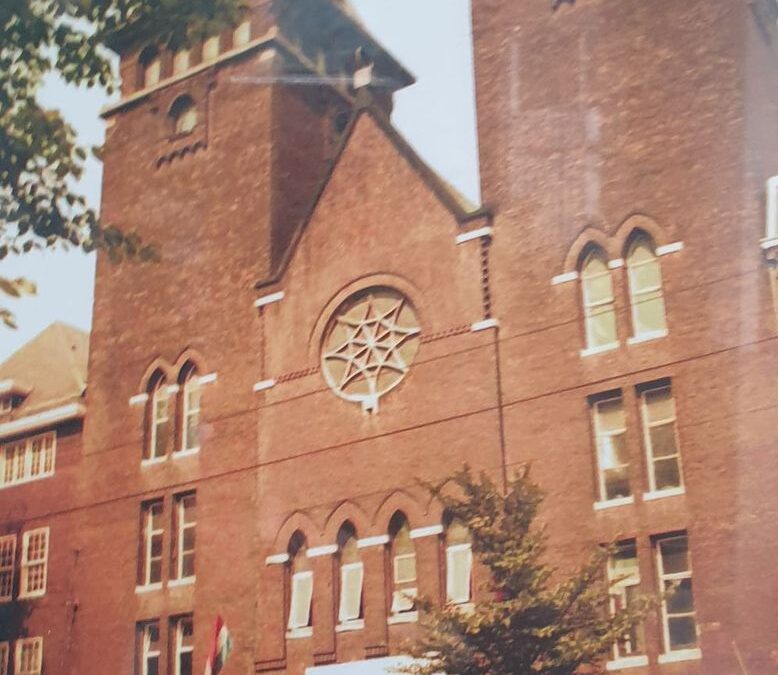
(430,37)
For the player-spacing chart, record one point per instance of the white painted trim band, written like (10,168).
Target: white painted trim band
(615,264)
(430,531)
(627,662)
(269,299)
(564,278)
(330,549)
(484,325)
(207,379)
(669,248)
(42,419)
(173,389)
(380,540)
(139,399)
(265,384)
(474,234)
(277,559)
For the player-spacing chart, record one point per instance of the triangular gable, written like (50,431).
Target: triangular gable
(462,210)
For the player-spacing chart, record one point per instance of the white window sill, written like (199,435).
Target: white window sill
(647,337)
(403,617)
(32,595)
(152,461)
(148,588)
(464,607)
(661,494)
(356,624)
(186,581)
(613,503)
(627,662)
(186,453)
(681,655)
(591,351)
(24,481)
(298,633)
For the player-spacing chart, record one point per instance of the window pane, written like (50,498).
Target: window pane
(459,561)
(599,289)
(610,415)
(188,565)
(189,539)
(302,590)
(405,568)
(156,545)
(350,592)
(152,665)
(602,326)
(613,452)
(185,661)
(675,557)
(660,405)
(679,596)
(663,440)
(649,314)
(617,483)
(403,600)
(683,632)
(624,564)
(181,61)
(667,474)
(645,277)
(155,571)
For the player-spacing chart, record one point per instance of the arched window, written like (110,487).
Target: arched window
(158,436)
(351,575)
(300,615)
(459,561)
(403,555)
(598,301)
(181,61)
(183,113)
(645,289)
(150,69)
(190,410)
(242,34)
(211,48)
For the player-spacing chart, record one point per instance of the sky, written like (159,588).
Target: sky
(430,37)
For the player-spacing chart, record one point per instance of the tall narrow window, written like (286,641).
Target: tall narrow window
(459,563)
(159,421)
(35,553)
(645,290)
(5,657)
(675,583)
(29,656)
(183,645)
(612,456)
(183,114)
(149,652)
(300,619)
(661,436)
(242,34)
(181,60)
(211,48)
(152,531)
(7,562)
(403,566)
(190,412)
(351,575)
(624,577)
(150,67)
(184,544)
(598,301)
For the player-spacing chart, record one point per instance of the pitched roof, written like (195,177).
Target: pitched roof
(51,366)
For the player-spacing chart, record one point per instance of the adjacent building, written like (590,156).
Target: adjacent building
(331,321)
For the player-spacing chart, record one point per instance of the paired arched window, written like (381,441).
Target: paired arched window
(598,300)
(150,67)
(351,575)
(301,584)
(183,114)
(645,289)
(459,561)
(403,559)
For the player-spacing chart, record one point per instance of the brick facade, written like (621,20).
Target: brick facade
(595,121)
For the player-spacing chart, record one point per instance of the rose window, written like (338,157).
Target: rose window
(369,345)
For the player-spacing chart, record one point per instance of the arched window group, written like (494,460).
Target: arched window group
(644,286)
(173,415)
(400,570)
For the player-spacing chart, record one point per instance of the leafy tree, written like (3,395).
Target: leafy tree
(40,159)
(535,620)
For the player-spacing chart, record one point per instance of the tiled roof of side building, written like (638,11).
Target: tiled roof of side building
(49,370)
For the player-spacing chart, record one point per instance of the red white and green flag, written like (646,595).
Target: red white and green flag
(220,649)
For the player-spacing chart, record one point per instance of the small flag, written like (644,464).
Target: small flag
(220,649)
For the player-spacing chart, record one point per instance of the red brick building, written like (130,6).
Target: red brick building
(331,321)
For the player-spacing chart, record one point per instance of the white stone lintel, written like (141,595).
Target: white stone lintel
(564,278)
(269,299)
(277,559)
(330,549)
(669,248)
(429,531)
(139,399)
(475,234)
(208,378)
(379,540)
(264,384)
(484,325)
(615,264)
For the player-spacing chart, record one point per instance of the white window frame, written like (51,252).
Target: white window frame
(589,306)
(180,647)
(5,657)
(20,645)
(771,226)
(21,454)
(181,526)
(647,426)
(636,296)
(619,588)
(293,625)
(691,652)
(598,434)
(27,563)
(148,537)
(8,541)
(156,420)
(452,550)
(192,382)
(344,617)
(146,651)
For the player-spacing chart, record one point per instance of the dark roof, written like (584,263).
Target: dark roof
(52,367)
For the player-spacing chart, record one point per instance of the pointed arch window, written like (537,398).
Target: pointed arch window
(183,114)
(403,554)
(598,302)
(645,290)
(158,440)
(150,67)
(459,562)
(351,576)
(301,586)
(190,410)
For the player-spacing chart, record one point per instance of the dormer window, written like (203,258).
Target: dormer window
(183,114)
(150,67)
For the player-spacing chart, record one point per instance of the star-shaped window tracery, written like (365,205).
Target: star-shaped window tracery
(370,344)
